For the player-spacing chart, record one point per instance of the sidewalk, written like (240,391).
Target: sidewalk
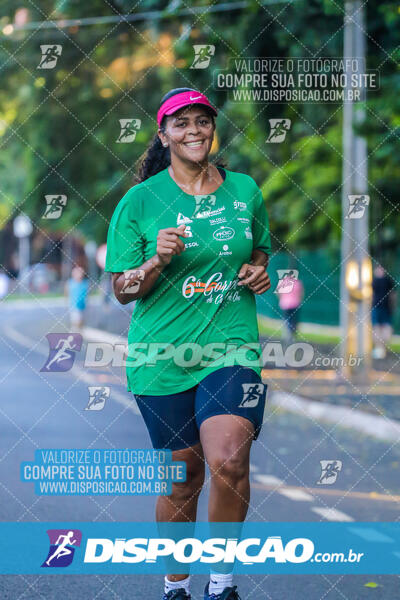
(311,328)
(380,395)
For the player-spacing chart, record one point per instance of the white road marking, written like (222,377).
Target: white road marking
(331,514)
(98,335)
(268,479)
(295,494)
(79,373)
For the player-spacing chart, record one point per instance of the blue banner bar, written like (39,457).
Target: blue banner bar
(254,547)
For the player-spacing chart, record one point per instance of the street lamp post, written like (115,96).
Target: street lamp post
(356,272)
(23,228)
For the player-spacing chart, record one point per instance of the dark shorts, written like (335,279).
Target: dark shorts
(174,420)
(291,318)
(381,316)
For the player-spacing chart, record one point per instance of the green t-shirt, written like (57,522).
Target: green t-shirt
(195,319)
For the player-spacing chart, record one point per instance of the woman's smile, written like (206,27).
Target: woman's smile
(195,145)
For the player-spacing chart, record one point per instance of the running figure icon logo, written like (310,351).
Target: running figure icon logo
(279,129)
(62,349)
(287,277)
(252,394)
(204,204)
(50,54)
(357,206)
(133,279)
(202,57)
(330,469)
(129,127)
(62,547)
(54,206)
(97,397)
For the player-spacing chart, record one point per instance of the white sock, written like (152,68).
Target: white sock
(175,585)
(219,581)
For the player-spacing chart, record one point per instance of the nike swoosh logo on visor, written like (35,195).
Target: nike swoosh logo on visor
(195,98)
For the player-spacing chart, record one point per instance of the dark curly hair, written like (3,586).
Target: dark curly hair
(156,157)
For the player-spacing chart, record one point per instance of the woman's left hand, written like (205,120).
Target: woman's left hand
(255,277)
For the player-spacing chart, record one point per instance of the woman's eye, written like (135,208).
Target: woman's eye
(203,122)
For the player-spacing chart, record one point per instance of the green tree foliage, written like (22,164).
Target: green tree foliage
(59,127)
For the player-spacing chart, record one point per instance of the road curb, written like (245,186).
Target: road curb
(380,427)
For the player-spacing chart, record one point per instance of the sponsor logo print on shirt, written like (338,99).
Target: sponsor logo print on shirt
(223,233)
(252,394)
(213,286)
(243,219)
(204,207)
(189,234)
(225,250)
(204,204)
(211,213)
(182,220)
(248,233)
(218,220)
(239,205)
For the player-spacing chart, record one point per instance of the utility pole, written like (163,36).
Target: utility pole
(23,228)
(356,271)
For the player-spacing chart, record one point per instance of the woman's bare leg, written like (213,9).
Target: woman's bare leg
(181,505)
(226,441)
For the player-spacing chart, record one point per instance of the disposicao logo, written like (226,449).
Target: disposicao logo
(62,547)
(62,349)
(189,550)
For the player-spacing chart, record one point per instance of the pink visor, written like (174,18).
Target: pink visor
(180,100)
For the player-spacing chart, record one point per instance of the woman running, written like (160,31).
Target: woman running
(190,242)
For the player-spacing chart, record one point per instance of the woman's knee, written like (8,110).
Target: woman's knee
(226,441)
(194,476)
(229,468)
(191,487)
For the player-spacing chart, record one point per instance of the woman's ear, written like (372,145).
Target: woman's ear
(162,138)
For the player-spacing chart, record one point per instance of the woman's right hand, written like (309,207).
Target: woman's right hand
(169,243)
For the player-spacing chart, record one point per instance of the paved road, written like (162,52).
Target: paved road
(47,411)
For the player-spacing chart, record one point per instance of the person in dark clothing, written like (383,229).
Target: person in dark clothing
(382,310)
